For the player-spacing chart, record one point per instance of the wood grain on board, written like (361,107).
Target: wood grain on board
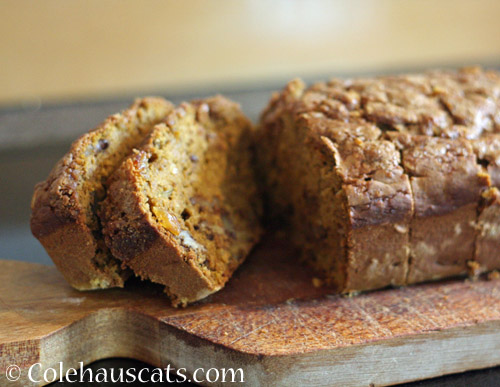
(269,320)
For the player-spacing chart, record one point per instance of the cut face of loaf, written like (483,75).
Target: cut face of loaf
(387,181)
(64,206)
(183,209)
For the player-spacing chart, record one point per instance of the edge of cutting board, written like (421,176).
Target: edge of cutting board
(270,321)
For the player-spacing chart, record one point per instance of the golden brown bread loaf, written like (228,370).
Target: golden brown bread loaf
(183,209)
(390,180)
(64,206)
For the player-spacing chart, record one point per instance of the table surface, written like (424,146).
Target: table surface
(32,140)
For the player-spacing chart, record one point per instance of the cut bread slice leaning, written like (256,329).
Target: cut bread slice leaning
(64,206)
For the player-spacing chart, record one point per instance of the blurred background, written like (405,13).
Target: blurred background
(66,65)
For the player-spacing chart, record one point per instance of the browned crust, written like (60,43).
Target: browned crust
(58,218)
(69,243)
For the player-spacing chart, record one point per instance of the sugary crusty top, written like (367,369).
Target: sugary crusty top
(450,104)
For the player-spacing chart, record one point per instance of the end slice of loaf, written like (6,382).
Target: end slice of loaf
(183,209)
(64,206)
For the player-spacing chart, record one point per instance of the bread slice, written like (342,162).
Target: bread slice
(390,180)
(183,209)
(64,206)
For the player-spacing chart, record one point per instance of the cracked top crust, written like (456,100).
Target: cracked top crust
(451,119)
(464,103)
(444,173)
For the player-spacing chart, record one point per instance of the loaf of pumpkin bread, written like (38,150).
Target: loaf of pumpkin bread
(390,180)
(183,209)
(64,206)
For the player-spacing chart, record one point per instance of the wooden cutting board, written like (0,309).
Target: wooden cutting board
(270,321)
